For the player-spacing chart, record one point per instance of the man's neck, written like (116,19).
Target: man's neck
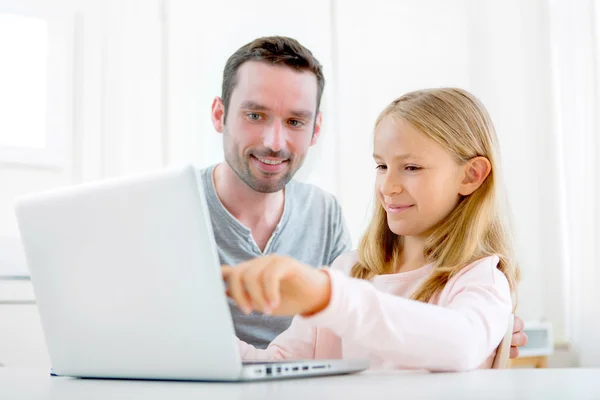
(255,210)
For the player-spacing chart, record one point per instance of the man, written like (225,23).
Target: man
(269,117)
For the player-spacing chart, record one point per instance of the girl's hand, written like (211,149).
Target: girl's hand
(277,285)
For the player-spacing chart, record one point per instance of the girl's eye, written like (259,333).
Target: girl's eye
(412,168)
(381,167)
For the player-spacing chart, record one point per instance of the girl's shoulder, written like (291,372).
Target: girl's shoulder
(485,268)
(345,262)
(480,272)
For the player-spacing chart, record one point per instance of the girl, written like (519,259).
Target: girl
(430,284)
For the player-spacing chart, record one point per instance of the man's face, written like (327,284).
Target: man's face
(271,122)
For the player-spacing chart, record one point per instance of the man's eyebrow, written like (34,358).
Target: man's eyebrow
(303,114)
(252,105)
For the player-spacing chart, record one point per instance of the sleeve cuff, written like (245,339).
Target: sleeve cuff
(329,316)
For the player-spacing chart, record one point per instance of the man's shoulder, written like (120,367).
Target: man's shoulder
(309,194)
(205,172)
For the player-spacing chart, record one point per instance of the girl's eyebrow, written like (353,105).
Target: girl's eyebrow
(398,157)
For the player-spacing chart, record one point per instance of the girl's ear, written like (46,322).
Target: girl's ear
(476,170)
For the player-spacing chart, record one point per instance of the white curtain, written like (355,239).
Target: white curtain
(575,47)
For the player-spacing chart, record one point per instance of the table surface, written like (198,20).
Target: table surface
(26,384)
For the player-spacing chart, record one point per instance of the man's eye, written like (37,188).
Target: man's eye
(295,123)
(254,116)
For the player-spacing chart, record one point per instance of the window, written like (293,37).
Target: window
(24,51)
(36,83)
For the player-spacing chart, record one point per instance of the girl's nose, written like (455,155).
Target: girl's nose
(391,185)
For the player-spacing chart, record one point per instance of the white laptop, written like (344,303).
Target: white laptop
(127,279)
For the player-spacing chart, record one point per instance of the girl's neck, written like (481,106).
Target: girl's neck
(413,254)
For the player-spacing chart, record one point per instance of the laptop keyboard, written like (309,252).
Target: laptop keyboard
(270,362)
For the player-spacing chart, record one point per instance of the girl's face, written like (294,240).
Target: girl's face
(418,182)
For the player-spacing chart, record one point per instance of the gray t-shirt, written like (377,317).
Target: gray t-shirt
(311,230)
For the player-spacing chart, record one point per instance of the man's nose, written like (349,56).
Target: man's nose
(274,136)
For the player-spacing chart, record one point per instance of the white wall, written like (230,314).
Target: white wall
(147,71)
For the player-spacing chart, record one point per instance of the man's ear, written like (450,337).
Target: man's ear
(217,113)
(317,130)
(476,170)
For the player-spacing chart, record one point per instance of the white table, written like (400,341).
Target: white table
(26,384)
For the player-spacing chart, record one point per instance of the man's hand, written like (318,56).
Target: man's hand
(277,285)
(519,338)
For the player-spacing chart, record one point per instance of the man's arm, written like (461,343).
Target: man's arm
(519,338)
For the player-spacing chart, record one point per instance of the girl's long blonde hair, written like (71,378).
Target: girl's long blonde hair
(477,227)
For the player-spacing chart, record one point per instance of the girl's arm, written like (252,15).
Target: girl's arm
(299,340)
(457,336)
(295,343)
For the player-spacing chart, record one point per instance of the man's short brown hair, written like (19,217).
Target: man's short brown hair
(274,50)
